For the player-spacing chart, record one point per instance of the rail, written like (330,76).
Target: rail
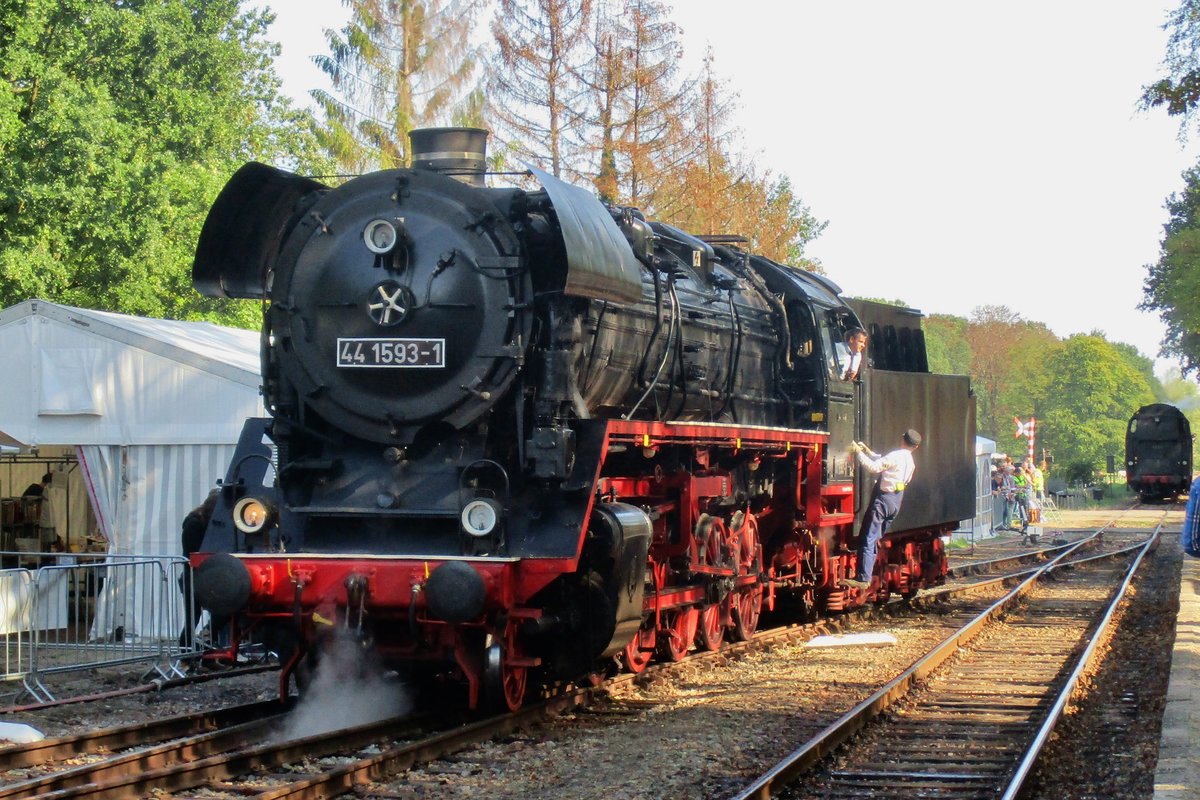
(837,733)
(1025,767)
(63,612)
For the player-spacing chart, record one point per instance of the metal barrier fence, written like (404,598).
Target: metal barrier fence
(63,612)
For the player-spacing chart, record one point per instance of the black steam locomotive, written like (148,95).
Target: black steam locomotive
(1158,453)
(521,433)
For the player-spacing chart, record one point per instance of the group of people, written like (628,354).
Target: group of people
(1018,491)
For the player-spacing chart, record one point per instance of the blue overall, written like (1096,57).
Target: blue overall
(883,509)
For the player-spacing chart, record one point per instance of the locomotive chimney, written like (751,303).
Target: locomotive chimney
(460,153)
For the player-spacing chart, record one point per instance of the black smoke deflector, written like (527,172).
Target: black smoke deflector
(244,228)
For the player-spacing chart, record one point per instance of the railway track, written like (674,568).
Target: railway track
(238,751)
(233,751)
(237,757)
(1009,556)
(976,729)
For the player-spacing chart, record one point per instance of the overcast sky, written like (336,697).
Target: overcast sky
(963,153)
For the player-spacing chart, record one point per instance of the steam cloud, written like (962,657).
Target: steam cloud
(347,690)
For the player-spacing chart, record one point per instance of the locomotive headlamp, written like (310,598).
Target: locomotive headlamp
(479,517)
(251,515)
(380,236)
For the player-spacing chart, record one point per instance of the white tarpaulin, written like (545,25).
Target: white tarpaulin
(21,591)
(77,377)
(151,410)
(141,493)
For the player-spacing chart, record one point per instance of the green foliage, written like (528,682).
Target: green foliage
(1031,349)
(946,344)
(1082,390)
(1181,393)
(396,66)
(1139,362)
(886,302)
(1078,472)
(1184,395)
(119,124)
(1179,90)
(1092,389)
(1172,284)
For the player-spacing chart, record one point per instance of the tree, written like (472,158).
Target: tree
(698,198)
(1184,395)
(1179,91)
(990,338)
(1172,284)
(534,88)
(716,190)
(1138,362)
(119,124)
(946,344)
(1093,391)
(634,146)
(396,65)
(1008,367)
(637,96)
(1031,347)
(605,81)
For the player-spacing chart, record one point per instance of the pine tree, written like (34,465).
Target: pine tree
(605,81)
(534,93)
(395,66)
(702,176)
(720,191)
(637,96)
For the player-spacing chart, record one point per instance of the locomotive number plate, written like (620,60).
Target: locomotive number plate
(391,353)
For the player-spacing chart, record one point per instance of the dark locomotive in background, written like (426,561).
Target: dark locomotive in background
(519,433)
(1158,453)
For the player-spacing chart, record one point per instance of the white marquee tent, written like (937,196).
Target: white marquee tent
(150,409)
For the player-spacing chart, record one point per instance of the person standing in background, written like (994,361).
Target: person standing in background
(1039,481)
(191,538)
(37,508)
(1001,517)
(38,489)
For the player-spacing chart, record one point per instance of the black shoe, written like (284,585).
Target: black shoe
(850,583)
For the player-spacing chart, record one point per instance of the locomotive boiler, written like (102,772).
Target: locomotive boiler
(1158,453)
(520,435)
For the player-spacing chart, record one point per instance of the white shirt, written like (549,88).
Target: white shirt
(852,368)
(895,470)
